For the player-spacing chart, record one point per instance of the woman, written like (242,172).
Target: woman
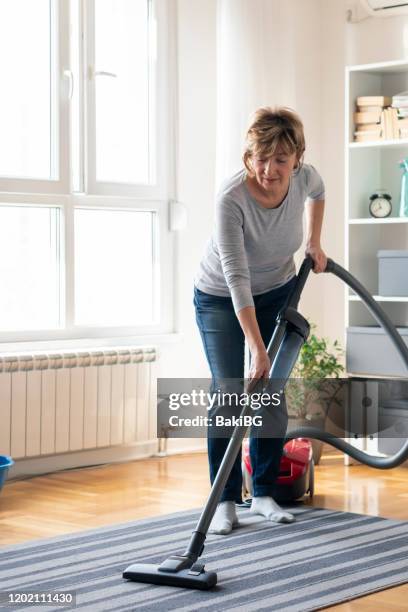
(245,277)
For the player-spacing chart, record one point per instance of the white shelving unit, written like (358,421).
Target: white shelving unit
(378,143)
(380,298)
(371,166)
(386,221)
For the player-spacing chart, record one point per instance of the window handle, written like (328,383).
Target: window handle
(70,77)
(105,74)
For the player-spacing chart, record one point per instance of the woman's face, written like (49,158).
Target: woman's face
(273,173)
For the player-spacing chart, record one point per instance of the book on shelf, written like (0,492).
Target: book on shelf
(374,101)
(403,127)
(389,124)
(400,104)
(369,109)
(388,134)
(382,122)
(367,117)
(368,127)
(367,136)
(403,122)
(394,120)
(400,100)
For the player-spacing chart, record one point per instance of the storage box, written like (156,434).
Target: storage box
(393,273)
(370,351)
(392,426)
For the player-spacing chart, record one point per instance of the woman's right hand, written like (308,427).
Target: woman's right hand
(260,367)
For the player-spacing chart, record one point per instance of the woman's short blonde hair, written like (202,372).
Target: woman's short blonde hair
(272,128)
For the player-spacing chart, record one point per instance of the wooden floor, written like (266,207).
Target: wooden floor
(69,501)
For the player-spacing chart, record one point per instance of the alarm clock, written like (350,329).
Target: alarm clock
(380,205)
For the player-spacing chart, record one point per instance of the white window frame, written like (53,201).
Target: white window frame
(154,198)
(61,82)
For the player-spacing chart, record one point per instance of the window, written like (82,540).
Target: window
(127,96)
(84,179)
(27,134)
(33,116)
(114,260)
(121,78)
(30,267)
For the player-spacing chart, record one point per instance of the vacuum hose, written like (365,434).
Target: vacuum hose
(383,463)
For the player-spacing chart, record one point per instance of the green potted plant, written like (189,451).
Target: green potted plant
(311,392)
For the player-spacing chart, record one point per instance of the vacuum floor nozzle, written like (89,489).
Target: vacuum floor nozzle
(187,578)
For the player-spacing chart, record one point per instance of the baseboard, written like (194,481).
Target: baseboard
(176,446)
(55,463)
(36,466)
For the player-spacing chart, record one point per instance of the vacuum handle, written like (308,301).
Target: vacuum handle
(301,279)
(330,266)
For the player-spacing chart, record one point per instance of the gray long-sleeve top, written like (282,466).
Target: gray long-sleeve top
(252,248)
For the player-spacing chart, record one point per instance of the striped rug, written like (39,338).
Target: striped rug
(324,558)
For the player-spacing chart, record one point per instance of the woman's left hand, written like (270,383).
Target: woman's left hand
(319,257)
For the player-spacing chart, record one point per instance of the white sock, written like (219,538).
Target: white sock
(267,507)
(225,518)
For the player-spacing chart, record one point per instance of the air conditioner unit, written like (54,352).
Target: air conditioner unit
(384,8)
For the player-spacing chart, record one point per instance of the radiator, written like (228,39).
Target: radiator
(58,403)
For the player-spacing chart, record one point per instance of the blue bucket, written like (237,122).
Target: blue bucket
(5,464)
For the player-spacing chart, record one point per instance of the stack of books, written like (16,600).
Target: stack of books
(400,105)
(381,117)
(370,118)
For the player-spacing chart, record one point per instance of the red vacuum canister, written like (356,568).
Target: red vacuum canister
(296,473)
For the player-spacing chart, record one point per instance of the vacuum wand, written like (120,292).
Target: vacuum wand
(302,277)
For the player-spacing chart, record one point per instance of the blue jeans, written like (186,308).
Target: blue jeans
(224,346)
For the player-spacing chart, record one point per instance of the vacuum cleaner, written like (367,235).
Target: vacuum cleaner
(291,331)
(296,472)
